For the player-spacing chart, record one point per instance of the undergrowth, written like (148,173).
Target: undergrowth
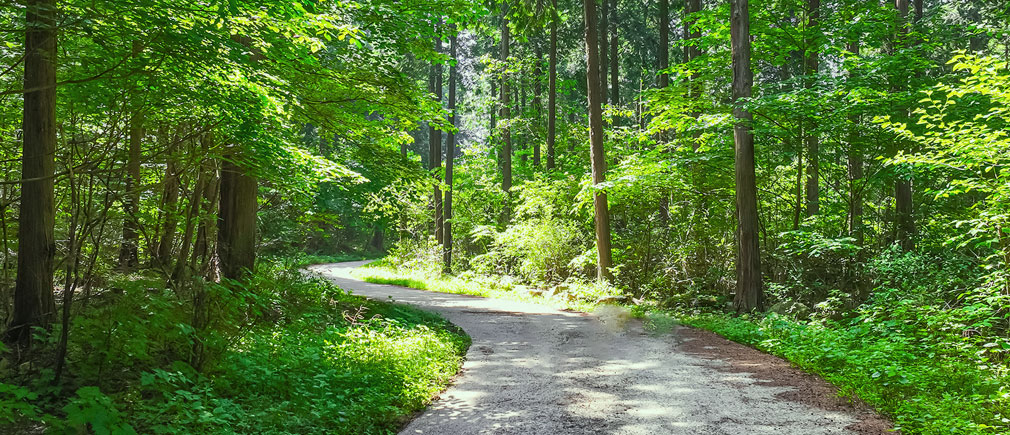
(287,354)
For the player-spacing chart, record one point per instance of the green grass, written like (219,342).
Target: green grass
(582,297)
(287,354)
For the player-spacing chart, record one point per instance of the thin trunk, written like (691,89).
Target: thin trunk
(601,215)
(663,50)
(128,256)
(450,148)
(506,179)
(603,43)
(615,84)
(34,304)
(905,225)
(749,295)
(170,206)
(855,172)
(810,65)
(435,146)
(538,92)
(552,84)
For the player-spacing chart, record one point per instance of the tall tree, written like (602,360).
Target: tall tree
(663,48)
(435,143)
(604,44)
(552,85)
(615,83)
(450,154)
(811,61)
(595,84)
(506,113)
(34,304)
(855,172)
(904,223)
(128,255)
(749,294)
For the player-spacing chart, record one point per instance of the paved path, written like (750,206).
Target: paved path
(536,370)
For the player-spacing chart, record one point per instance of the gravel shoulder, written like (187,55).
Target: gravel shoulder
(535,370)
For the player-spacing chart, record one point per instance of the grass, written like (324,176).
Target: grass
(287,354)
(577,296)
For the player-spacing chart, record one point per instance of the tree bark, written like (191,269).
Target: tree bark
(538,107)
(236,223)
(855,173)
(615,82)
(450,154)
(506,113)
(810,66)
(595,84)
(603,43)
(435,145)
(663,50)
(34,303)
(170,206)
(905,225)
(552,84)
(749,294)
(128,255)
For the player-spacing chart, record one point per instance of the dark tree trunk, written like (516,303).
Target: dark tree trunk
(128,256)
(905,225)
(552,84)
(603,43)
(538,93)
(810,65)
(506,113)
(435,145)
(615,83)
(236,223)
(34,304)
(170,206)
(855,173)
(749,294)
(450,154)
(663,50)
(595,84)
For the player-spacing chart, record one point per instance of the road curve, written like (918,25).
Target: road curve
(536,370)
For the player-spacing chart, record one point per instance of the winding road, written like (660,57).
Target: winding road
(535,370)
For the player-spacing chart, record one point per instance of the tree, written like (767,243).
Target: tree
(450,154)
(811,61)
(749,294)
(595,84)
(615,83)
(435,144)
(552,85)
(604,44)
(506,113)
(34,304)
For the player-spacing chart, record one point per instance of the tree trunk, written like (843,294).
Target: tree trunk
(552,84)
(538,93)
(506,113)
(170,206)
(595,85)
(663,50)
(450,155)
(749,295)
(855,173)
(603,43)
(128,256)
(435,145)
(810,65)
(236,223)
(615,83)
(905,225)
(34,303)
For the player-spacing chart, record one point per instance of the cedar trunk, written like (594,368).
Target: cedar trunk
(810,65)
(552,84)
(506,113)
(236,223)
(34,304)
(435,144)
(749,295)
(595,85)
(450,154)
(615,84)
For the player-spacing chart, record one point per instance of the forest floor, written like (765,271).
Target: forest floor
(532,369)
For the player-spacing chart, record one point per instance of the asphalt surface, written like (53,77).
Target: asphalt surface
(535,370)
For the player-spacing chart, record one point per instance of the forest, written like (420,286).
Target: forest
(822,180)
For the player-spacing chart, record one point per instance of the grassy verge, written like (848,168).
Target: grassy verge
(572,296)
(283,354)
(911,362)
